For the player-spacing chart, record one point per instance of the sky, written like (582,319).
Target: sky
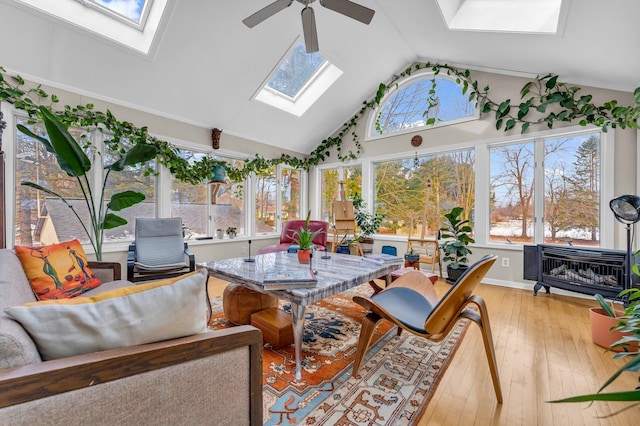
(131,9)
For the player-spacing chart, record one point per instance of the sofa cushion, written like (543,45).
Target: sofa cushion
(123,317)
(16,347)
(57,271)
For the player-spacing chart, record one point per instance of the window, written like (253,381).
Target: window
(189,202)
(295,71)
(228,202)
(266,182)
(529,16)
(130,23)
(511,199)
(130,10)
(569,184)
(41,219)
(330,189)
(278,198)
(290,195)
(572,190)
(207,207)
(404,109)
(131,178)
(415,192)
(299,80)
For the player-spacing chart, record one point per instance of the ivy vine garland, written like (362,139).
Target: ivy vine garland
(543,100)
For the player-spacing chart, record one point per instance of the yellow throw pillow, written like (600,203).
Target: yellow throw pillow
(57,271)
(117,318)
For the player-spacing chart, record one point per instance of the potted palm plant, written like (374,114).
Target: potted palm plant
(455,232)
(304,238)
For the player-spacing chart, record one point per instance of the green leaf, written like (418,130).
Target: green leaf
(636,96)
(503,109)
(498,124)
(551,82)
(542,107)
(125,199)
(510,124)
(633,395)
(525,126)
(29,133)
(525,89)
(604,305)
(43,189)
(140,153)
(112,221)
(74,161)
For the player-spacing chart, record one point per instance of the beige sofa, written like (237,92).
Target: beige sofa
(209,378)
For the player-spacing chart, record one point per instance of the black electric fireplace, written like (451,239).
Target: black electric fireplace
(581,269)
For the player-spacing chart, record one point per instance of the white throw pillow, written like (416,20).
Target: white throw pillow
(117,318)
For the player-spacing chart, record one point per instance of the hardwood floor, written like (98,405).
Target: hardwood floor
(544,350)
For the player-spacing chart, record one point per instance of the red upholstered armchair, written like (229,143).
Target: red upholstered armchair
(286,236)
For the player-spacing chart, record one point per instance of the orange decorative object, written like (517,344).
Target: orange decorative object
(601,324)
(57,271)
(304,256)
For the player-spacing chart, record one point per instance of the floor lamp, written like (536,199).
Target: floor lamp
(626,210)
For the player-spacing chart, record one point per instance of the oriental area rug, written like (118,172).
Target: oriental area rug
(395,382)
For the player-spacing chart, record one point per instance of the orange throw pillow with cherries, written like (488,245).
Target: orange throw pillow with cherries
(57,271)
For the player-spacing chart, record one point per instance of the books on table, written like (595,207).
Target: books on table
(382,258)
(280,279)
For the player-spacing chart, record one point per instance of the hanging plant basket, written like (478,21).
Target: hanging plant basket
(218,174)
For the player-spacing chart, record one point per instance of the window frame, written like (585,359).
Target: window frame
(371,133)
(482,208)
(303,201)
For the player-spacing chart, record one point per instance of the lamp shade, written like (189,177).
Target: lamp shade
(626,208)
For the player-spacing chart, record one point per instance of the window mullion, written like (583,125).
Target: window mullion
(538,192)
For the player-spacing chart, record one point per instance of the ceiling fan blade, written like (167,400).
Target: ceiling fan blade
(309,30)
(350,9)
(266,12)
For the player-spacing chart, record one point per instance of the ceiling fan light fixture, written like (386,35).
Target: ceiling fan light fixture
(344,7)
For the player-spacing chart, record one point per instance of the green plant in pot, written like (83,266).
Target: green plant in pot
(368,223)
(629,325)
(455,232)
(74,161)
(232,231)
(304,239)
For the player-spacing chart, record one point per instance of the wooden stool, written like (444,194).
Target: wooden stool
(240,302)
(275,326)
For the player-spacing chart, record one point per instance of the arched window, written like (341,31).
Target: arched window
(406,108)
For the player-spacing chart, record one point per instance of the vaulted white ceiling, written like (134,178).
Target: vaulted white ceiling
(205,65)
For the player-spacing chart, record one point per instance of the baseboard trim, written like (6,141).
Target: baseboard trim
(529,286)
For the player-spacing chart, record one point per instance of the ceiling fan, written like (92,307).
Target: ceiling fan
(346,7)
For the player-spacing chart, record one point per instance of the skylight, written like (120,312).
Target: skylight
(132,23)
(298,81)
(131,10)
(529,16)
(295,71)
